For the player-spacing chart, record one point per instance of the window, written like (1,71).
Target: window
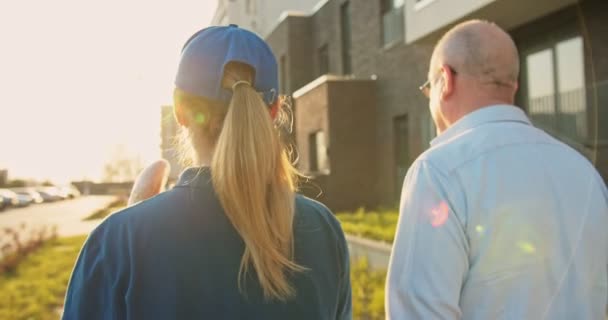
(392,21)
(402,152)
(283,74)
(346,37)
(323,57)
(317,152)
(555,94)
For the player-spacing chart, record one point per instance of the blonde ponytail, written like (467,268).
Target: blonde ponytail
(256,182)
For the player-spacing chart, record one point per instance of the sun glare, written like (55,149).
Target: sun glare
(79,79)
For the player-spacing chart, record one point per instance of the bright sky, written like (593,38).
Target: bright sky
(79,77)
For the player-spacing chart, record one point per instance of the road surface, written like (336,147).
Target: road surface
(67,215)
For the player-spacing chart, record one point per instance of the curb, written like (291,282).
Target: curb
(378,253)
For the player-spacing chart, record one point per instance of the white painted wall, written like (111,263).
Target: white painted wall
(427,16)
(260,16)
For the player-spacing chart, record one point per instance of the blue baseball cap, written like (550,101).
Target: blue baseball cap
(206,54)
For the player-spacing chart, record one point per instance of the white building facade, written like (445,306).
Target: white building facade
(259,16)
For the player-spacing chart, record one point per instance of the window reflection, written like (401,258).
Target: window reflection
(555,89)
(571,84)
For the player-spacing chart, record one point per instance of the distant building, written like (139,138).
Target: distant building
(334,59)
(3,177)
(259,16)
(122,189)
(169,131)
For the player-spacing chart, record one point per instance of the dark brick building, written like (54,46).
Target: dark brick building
(375,54)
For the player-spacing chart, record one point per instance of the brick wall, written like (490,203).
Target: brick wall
(400,69)
(344,110)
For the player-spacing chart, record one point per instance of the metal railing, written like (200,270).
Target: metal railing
(564,114)
(575,117)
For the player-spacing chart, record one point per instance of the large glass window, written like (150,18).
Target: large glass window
(555,94)
(392,21)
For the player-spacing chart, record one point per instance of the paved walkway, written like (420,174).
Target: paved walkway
(66,215)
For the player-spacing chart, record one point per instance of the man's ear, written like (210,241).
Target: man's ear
(180,115)
(448,78)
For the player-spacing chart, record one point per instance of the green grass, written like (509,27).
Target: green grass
(376,225)
(112,207)
(35,290)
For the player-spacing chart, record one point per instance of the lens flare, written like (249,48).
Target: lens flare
(480,229)
(199,118)
(439,214)
(526,247)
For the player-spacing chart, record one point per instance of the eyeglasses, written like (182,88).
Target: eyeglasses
(426,87)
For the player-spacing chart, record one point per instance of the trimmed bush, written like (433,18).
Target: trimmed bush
(368,291)
(375,225)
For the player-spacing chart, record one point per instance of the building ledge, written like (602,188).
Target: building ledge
(325,79)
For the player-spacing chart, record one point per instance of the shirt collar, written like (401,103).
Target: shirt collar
(196,177)
(495,113)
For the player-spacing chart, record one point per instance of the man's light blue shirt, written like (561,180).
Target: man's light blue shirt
(500,221)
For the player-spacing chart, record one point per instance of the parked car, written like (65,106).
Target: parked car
(6,200)
(24,200)
(48,194)
(9,198)
(70,192)
(36,198)
(4,203)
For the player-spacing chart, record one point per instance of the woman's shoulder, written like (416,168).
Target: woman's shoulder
(312,213)
(312,209)
(145,212)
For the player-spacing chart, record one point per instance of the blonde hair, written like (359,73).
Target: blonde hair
(254,179)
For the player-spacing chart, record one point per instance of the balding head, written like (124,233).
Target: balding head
(480,49)
(478,64)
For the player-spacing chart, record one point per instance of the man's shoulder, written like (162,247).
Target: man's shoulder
(495,141)
(483,141)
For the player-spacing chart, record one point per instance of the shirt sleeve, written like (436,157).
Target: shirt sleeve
(95,290)
(429,259)
(345,307)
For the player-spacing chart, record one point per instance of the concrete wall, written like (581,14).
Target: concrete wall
(352,144)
